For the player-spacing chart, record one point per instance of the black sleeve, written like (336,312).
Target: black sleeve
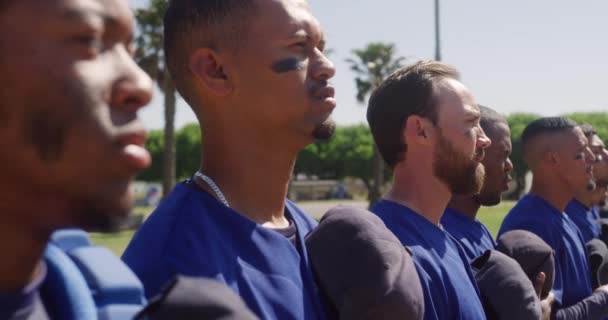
(591,308)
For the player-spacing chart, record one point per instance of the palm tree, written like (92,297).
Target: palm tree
(150,56)
(372,65)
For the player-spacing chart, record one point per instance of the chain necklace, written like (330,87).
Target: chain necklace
(218,193)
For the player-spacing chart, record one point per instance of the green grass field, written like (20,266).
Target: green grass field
(492,216)
(117,242)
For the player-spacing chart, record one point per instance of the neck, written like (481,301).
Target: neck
(466,205)
(585,197)
(552,191)
(414,189)
(21,249)
(254,177)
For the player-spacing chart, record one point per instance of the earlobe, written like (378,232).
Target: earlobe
(210,72)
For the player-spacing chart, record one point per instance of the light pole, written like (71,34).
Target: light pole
(437,32)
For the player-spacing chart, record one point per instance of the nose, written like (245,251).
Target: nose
(132,89)
(482,140)
(322,68)
(603,155)
(508,165)
(589,156)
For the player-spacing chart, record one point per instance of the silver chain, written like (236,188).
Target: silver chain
(214,187)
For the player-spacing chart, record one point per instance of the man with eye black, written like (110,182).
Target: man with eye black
(254,73)
(71,141)
(561,162)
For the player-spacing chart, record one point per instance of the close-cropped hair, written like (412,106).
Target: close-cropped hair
(408,91)
(192,24)
(490,117)
(546,125)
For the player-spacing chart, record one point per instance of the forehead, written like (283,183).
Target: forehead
(574,138)
(110,11)
(286,18)
(500,134)
(455,100)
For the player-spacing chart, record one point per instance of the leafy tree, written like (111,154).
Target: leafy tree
(348,154)
(371,66)
(188,141)
(150,56)
(154,145)
(518,122)
(599,121)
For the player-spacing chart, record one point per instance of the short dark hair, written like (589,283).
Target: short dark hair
(408,91)
(489,118)
(588,130)
(544,126)
(189,24)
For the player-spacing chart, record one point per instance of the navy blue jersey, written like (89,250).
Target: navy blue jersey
(572,280)
(449,288)
(24,304)
(585,219)
(193,234)
(472,235)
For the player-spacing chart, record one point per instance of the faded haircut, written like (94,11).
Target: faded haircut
(192,24)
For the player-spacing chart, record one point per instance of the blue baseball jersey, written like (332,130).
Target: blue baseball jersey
(585,219)
(25,303)
(193,234)
(472,235)
(572,279)
(448,284)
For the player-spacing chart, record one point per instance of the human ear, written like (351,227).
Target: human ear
(209,69)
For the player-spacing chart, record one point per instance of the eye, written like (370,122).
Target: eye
(92,43)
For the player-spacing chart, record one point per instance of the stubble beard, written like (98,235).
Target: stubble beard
(325,130)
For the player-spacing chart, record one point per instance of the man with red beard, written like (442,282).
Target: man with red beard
(426,126)
(559,157)
(459,219)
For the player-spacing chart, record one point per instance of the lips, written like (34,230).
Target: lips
(326,95)
(132,150)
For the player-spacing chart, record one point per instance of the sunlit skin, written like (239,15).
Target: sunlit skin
(600,174)
(416,183)
(71,139)
(600,167)
(262,104)
(498,168)
(562,164)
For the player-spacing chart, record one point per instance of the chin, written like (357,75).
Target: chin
(104,213)
(489,199)
(324,130)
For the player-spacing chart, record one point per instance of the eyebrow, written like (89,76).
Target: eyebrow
(473,115)
(80,15)
(301,32)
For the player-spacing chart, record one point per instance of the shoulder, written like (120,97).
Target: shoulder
(163,227)
(303,221)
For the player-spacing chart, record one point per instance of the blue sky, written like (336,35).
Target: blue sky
(542,56)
